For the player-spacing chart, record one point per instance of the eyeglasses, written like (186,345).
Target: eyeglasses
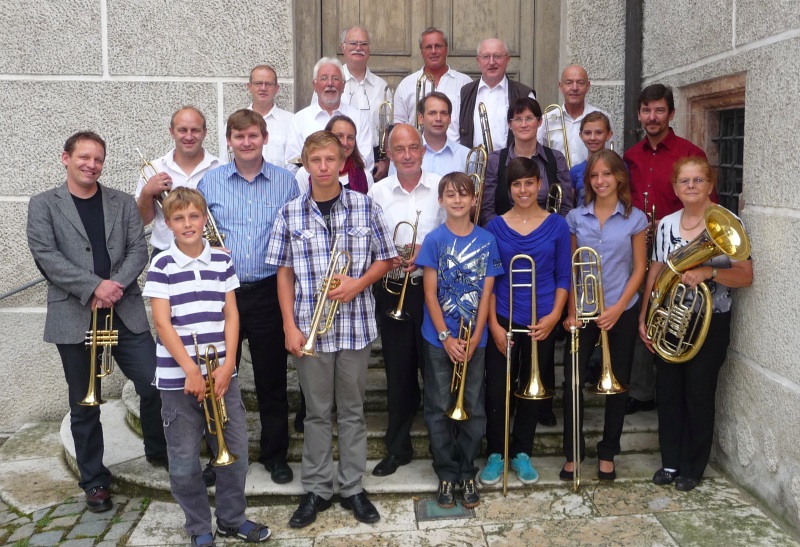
(697,181)
(355,45)
(325,79)
(359,98)
(263,84)
(528,119)
(493,57)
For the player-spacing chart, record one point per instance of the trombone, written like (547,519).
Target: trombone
(218,417)
(535,389)
(475,167)
(385,120)
(563,129)
(393,277)
(650,233)
(554,195)
(458,383)
(106,339)
(576,408)
(424,82)
(325,310)
(147,171)
(486,131)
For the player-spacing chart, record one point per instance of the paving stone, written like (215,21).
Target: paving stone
(105,516)
(118,530)
(6,517)
(88,529)
(40,514)
(86,542)
(46,538)
(130,516)
(62,522)
(24,519)
(68,508)
(22,532)
(106,544)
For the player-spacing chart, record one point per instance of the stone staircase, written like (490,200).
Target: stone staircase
(134,476)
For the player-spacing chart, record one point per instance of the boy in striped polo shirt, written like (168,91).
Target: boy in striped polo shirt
(190,286)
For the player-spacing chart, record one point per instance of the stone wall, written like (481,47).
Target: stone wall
(121,69)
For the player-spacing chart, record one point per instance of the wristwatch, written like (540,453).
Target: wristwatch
(443,335)
(713,273)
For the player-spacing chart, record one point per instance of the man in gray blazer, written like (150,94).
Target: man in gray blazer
(88,242)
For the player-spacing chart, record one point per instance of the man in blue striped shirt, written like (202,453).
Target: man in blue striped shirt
(244,197)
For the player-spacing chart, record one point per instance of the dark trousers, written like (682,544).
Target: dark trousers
(261,323)
(135,356)
(621,339)
(403,358)
(524,412)
(686,402)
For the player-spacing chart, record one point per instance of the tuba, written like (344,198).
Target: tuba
(678,317)
(385,121)
(424,81)
(106,339)
(458,384)
(559,115)
(216,419)
(325,310)
(393,276)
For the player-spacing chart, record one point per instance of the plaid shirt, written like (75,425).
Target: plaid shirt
(300,240)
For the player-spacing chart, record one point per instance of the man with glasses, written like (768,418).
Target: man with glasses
(495,90)
(433,46)
(328,89)
(263,87)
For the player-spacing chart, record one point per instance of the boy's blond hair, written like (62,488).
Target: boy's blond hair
(181,198)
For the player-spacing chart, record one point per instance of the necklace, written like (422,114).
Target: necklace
(693,227)
(523,219)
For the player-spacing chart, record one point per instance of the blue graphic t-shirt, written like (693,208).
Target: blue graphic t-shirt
(462,263)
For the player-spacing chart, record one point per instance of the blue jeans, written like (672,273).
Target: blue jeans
(455,444)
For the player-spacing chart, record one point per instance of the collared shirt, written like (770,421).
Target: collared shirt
(196,290)
(651,172)
(313,118)
(496,101)
(278,125)
(577,150)
(613,243)
(245,211)
(405,107)
(302,242)
(452,157)
(162,236)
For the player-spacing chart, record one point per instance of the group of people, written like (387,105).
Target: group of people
(307,208)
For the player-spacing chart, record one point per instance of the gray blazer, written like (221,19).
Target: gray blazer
(61,249)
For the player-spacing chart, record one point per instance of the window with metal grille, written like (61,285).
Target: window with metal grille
(730,146)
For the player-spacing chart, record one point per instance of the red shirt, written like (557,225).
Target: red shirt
(651,171)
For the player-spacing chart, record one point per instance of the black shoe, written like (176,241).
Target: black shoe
(98,499)
(565,475)
(280,471)
(607,476)
(684,484)
(632,406)
(209,476)
(662,477)
(548,418)
(306,512)
(470,497)
(361,507)
(389,465)
(446,499)
(159,461)
(248,531)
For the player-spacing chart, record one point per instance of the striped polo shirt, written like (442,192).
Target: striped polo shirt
(195,288)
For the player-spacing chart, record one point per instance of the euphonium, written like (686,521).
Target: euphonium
(563,129)
(106,339)
(458,383)
(678,317)
(216,419)
(424,81)
(385,120)
(650,232)
(147,171)
(325,310)
(554,195)
(486,130)
(393,276)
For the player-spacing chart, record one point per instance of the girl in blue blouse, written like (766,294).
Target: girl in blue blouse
(611,226)
(525,229)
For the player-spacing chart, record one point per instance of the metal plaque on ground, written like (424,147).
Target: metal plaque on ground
(429,510)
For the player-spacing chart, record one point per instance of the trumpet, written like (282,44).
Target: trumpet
(424,81)
(554,195)
(650,233)
(535,389)
(458,384)
(486,131)
(218,417)
(559,115)
(325,310)
(477,158)
(385,120)
(106,339)
(393,277)
(147,171)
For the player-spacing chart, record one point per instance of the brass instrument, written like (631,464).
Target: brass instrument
(576,409)
(298,161)
(147,171)
(563,129)
(385,121)
(678,317)
(211,232)
(106,339)
(218,417)
(424,81)
(587,290)
(650,233)
(393,276)
(458,383)
(554,195)
(486,131)
(325,310)
(535,390)
(475,167)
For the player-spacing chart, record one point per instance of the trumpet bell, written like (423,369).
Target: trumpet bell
(398,314)
(607,385)
(224,457)
(458,413)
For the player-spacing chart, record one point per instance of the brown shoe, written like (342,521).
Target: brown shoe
(98,499)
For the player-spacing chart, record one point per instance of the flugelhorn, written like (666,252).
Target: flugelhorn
(105,339)
(458,383)
(559,115)
(393,276)
(424,81)
(678,317)
(218,416)
(486,130)
(325,310)
(147,171)
(385,120)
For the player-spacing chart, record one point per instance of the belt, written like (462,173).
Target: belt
(247,287)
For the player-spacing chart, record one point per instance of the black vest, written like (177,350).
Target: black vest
(469,94)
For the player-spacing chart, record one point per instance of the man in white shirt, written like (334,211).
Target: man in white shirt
(573,85)
(328,87)
(495,91)
(184,165)
(433,46)
(263,87)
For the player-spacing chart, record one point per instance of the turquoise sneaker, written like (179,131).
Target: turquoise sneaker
(524,470)
(493,471)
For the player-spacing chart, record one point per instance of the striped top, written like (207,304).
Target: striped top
(195,288)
